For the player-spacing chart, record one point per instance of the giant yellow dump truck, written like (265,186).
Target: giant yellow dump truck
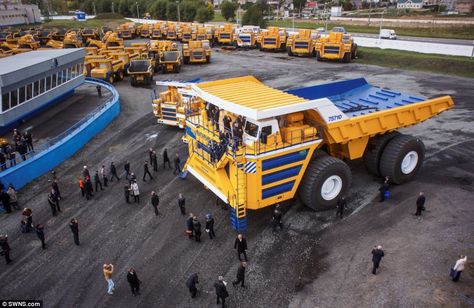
(303,43)
(336,46)
(107,69)
(172,107)
(197,52)
(295,141)
(273,39)
(225,35)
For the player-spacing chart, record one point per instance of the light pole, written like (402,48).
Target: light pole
(381,23)
(138,12)
(93,6)
(113,9)
(325,18)
(179,17)
(370,9)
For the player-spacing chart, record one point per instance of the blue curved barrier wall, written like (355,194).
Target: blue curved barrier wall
(65,145)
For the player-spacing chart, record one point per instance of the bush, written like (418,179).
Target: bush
(158,9)
(171,11)
(205,13)
(109,16)
(254,16)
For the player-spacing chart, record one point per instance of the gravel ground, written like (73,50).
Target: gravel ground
(316,261)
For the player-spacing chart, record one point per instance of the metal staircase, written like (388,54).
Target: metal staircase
(238,214)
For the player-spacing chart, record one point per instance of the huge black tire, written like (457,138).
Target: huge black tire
(354,51)
(347,57)
(402,158)
(325,180)
(374,151)
(186,60)
(318,56)
(290,53)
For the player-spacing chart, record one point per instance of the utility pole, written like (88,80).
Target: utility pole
(179,16)
(93,7)
(325,18)
(138,12)
(381,24)
(370,9)
(113,9)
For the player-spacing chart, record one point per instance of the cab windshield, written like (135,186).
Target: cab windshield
(251,129)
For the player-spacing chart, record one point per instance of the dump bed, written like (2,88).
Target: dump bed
(370,110)
(139,66)
(170,56)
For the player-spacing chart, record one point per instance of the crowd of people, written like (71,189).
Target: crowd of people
(22,143)
(103,177)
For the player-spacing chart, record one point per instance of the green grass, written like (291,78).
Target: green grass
(406,60)
(461,32)
(90,23)
(218,17)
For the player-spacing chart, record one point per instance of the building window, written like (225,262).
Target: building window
(60,77)
(5,101)
(48,83)
(42,85)
(21,95)
(29,91)
(14,98)
(36,88)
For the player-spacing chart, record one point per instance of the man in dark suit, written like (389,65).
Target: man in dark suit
(221,291)
(240,275)
(241,246)
(377,255)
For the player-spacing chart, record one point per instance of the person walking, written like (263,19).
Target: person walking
(108,270)
(56,199)
(190,226)
(82,187)
(113,172)
(210,226)
(103,174)
(154,161)
(134,282)
(89,188)
(55,188)
(74,225)
(341,206)
(5,248)
(5,198)
(85,172)
(146,171)
(420,203)
(276,219)
(177,164)
(97,181)
(28,213)
(13,197)
(459,267)
(182,204)
(197,229)
(227,122)
(384,189)
(221,291)
(126,167)
(52,204)
(241,246)
(240,275)
(126,193)
(135,192)
(29,141)
(40,233)
(191,284)
(155,200)
(166,159)
(377,255)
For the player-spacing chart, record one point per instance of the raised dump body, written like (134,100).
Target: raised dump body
(141,72)
(254,146)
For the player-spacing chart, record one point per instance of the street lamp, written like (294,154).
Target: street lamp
(370,9)
(138,12)
(381,24)
(179,17)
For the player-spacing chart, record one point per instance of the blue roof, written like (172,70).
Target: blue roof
(357,97)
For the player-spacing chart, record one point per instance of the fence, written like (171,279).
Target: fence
(58,149)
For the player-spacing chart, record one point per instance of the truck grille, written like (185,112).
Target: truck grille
(187,36)
(168,113)
(301,45)
(331,49)
(198,55)
(201,37)
(225,36)
(269,41)
(245,39)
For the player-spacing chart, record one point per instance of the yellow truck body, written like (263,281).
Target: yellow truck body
(272,39)
(303,43)
(107,69)
(197,52)
(225,34)
(336,46)
(293,142)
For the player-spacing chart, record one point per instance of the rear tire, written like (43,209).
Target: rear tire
(325,180)
(289,51)
(208,59)
(374,151)
(318,56)
(402,158)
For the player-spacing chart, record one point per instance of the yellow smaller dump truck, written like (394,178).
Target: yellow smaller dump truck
(197,52)
(140,72)
(108,70)
(337,46)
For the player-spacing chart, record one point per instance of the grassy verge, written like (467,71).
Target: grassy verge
(218,17)
(461,32)
(90,23)
(406,60)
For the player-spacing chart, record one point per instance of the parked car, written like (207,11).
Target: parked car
(339,29)
(388,34)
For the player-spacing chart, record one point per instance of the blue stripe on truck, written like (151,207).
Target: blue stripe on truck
(284,160)
(276,190)
(281,175)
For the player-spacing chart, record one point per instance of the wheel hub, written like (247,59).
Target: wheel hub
(331,187)
(409,162)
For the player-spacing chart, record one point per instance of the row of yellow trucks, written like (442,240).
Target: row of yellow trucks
(270,145)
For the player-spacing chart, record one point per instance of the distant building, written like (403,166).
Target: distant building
(464,6)
(12,12)
(410,4)
(31,81)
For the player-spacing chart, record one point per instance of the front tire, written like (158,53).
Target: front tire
(347,57)
(326,179)
(402,158)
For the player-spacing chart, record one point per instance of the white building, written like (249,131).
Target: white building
(12,12)
(410,4)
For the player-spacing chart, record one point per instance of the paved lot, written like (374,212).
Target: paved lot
(316,261)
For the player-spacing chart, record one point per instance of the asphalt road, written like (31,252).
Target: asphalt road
(285,269)
(423,39)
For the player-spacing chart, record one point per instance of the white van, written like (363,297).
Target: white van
(388,34)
